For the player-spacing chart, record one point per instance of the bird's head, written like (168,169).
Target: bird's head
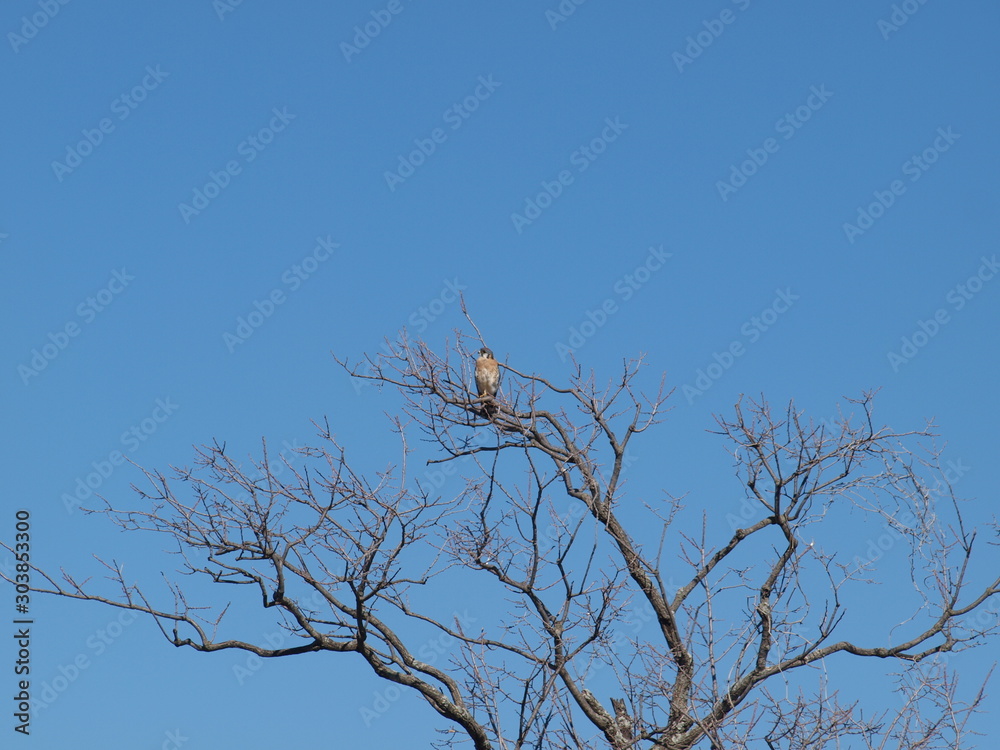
(486,353)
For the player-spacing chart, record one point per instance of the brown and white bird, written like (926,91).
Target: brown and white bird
(487,376)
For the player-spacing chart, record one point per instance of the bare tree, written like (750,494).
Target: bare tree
(732,656)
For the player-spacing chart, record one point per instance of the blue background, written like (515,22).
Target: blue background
(690,114)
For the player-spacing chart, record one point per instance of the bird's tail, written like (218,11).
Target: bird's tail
(490,407)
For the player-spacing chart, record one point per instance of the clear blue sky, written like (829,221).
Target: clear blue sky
(167,168)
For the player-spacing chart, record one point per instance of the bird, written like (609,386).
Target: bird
(487,377)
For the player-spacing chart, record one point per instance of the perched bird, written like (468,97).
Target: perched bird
(487,377)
